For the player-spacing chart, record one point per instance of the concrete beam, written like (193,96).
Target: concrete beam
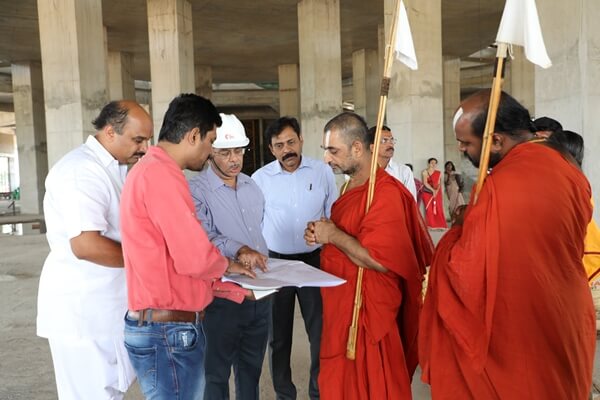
(237,98)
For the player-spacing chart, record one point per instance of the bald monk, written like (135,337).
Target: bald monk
(508,314)
(390,241)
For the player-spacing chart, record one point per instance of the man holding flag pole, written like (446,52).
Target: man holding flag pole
(377,241)
(507,313)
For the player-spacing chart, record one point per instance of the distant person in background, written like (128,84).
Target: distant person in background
(572,143)
(385,161)
(454,184)
(545,126)
(432,195)
(418,185)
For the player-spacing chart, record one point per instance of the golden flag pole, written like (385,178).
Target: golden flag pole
(385,86)
(490,122)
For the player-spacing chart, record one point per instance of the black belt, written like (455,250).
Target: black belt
(293,256)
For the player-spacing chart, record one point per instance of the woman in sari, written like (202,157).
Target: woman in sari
(432,196)
(454,186)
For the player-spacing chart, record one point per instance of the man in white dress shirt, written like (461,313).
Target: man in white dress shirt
(82,296)
(297,189)
(384,159)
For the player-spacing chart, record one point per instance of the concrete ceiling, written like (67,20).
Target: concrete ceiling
(245,40)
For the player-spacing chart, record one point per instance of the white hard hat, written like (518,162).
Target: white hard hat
(231,133)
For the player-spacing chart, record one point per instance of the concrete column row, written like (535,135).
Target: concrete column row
(81,74)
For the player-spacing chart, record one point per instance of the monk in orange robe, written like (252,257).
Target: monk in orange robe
(391,242)
(508,313)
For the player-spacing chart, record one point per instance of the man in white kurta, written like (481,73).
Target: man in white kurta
(82,295)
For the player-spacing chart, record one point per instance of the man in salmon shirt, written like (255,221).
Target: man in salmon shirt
(508,314)
(171,266)
(390,241)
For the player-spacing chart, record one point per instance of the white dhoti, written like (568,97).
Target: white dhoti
(91,369)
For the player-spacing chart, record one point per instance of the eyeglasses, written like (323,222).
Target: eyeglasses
(388,140)
(226,153)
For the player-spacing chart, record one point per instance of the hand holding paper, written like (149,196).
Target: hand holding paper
(282,273)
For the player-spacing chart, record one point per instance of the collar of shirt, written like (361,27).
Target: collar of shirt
(105,158)
(155,152)
(100,151)
(391,165)
(215,182)
(275,166)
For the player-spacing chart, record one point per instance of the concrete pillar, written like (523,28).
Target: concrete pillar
(121,84)
(203,80)
(451,102)
(28,98)
(320,68)
(520,79)
(415,107)
(289,90)
(171,54)
(74,70)
(569,91)
(366,84)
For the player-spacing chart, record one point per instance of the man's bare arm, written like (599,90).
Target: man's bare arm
(93,247)
(325,231)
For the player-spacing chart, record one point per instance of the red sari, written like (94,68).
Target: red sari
(434,206)
(386,352)
(508,313)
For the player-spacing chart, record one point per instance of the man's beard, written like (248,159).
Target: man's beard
(495,158)
(338,169)
(350,171)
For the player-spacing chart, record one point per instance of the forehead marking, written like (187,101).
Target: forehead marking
(327,136)
(457,116)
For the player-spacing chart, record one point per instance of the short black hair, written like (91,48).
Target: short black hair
(512,118)
(186,112)
(372,132)
(431,159)
(277,126)
(113,114)
(547,124)
(352,126)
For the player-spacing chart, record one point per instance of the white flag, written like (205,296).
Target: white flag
(520,25)
(404,48)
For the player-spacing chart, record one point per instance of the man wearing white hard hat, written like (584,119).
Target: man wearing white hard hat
(231,206)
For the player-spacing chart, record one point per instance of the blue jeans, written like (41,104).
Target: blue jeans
(168,358)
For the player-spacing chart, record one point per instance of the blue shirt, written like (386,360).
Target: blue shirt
(294,199)
(231,217)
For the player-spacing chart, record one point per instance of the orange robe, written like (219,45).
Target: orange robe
(386,353)
(508,313)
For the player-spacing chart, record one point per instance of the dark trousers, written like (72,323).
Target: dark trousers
(282,327)
(236,335)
